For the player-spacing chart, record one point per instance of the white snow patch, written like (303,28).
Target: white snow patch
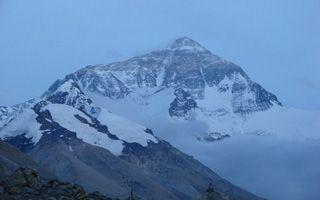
(66,86)
(70,148)
(24,123)
(125,129)
(65,116)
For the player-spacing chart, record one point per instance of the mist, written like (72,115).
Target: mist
(276,166)
(272,168)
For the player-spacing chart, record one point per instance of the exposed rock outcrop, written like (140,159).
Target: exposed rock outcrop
(25,184)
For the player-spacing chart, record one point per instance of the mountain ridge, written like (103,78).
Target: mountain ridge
(62,125)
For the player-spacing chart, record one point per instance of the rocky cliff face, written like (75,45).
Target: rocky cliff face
(182,105)
(25,183)
(12,158)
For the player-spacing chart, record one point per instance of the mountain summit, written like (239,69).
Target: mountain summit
(185,43)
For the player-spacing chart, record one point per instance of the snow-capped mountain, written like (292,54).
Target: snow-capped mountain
(183,84)
(91,120)
(102,151)
(185,66)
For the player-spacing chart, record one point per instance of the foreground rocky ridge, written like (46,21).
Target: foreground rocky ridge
(25,183)
(22,182)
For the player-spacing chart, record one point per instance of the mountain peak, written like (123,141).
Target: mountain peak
(185,43)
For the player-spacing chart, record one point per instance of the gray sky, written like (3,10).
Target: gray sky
(277,42)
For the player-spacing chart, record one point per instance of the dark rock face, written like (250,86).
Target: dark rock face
(184,71)
(212,136)
(69,92)
(262,100)
(211,194)
(21,142)
(25,183)
(182,105)
(11,159)
(108,84)
(264,97)
(96,169)
(169,165)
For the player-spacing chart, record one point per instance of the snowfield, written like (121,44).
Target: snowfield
(25,123)
(124,129)
(67,117)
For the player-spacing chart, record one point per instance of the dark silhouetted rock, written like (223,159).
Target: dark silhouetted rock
(211,194)
(25,184)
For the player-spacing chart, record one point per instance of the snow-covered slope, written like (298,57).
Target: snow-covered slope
(125,129)
(281,122)
(9,112)
(85,127)
(25,123)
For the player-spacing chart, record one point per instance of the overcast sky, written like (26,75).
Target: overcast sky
(277,42)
